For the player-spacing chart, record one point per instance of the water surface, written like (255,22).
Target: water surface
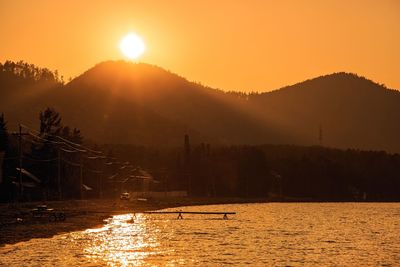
(277,234)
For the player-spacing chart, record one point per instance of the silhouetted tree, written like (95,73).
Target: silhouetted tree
(66,132)
(50,122)
(44,153)
(3,133)
(7,167)
(75,136)
(29,72)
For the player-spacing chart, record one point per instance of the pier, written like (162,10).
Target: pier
(224,213)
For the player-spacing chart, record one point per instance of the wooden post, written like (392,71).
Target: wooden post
(59,173)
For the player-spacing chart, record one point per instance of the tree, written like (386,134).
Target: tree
(75,136)
(50,122)
(44,165)
(3,133)
(66,132)
(29,72)
(6,167)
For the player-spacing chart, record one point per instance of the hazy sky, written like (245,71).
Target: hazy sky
(232,45)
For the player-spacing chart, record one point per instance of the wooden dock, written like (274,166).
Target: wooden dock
(225,213)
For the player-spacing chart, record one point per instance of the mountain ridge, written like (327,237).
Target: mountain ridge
(138,103)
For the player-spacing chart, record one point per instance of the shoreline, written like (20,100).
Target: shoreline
(16,225)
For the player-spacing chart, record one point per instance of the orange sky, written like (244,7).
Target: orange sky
(233,45)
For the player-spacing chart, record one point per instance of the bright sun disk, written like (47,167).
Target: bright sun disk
(132,46)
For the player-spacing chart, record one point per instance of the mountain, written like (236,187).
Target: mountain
(214,115)
(352,112)
(128,103)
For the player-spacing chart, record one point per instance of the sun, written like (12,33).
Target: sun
(132,46)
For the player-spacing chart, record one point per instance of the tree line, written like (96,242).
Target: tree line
(275,172)
(29,72)
(56,155)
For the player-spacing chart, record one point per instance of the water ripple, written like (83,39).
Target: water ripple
(328,234)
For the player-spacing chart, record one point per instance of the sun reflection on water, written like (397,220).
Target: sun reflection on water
(123,241)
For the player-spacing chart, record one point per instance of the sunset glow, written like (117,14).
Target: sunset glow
(235,45)
(199,133)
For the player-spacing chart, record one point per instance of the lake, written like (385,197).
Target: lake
(268,234)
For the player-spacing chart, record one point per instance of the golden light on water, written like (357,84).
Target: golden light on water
(132,46)
(120,242)
(268,234)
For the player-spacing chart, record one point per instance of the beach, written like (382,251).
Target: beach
(17,223)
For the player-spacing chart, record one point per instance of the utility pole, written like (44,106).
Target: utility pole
(81,176)
(20,153)
(21,188)
(187,163)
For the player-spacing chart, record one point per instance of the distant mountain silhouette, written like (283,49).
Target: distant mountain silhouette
(353,112)
(128,103)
